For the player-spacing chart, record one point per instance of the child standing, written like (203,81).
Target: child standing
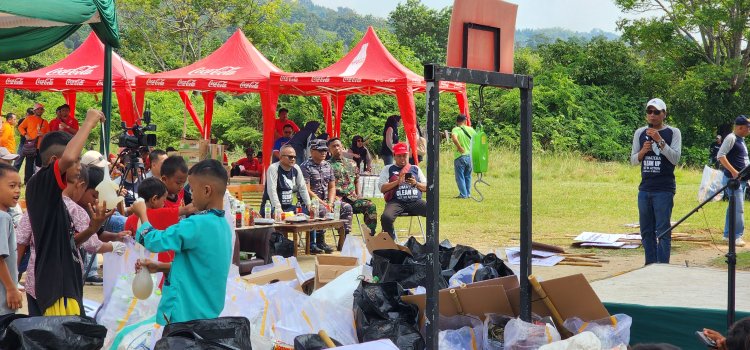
(59,281)
(10,191)
(196,285)
(174,173)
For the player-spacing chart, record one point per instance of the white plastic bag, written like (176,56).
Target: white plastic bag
(581,341)
(302,276)
(139,336)
(316,315)
(520,335)
(124,309)
(340,291)
(116,266)
(460,333)
(612,331)
(711,182)
(354,246)
(464,276)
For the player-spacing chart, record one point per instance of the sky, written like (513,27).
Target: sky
(576,15)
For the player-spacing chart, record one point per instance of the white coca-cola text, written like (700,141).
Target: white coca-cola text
(226,70)
(82,70)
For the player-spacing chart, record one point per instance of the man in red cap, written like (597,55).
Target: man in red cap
(402,185)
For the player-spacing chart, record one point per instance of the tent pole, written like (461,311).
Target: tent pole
(106,100)
(433,214)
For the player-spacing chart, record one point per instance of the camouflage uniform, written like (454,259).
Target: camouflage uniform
(345,170)
(318,176)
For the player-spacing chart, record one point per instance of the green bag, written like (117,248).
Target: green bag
(480,151)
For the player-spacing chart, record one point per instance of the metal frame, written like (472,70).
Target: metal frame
(496,42)
(434,74)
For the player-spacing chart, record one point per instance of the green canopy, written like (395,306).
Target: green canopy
(31,26)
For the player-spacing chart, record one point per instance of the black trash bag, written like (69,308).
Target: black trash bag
(182,343)
(379,313)
(462,257)
(280,245)
(217,333)
(485,273)
(54,332)
(492,260)
(419,251)
(391,265)
(311,342)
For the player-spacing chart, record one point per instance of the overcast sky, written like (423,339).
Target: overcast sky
(577,15)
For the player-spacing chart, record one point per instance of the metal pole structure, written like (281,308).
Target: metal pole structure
(106,100)
(526,149)
(734,186)
(433,200)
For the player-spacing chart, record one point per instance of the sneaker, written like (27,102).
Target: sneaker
(94,281)
(314,249)
(739,242)
(326,248)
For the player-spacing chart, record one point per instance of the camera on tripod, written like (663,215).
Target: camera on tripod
(139,138)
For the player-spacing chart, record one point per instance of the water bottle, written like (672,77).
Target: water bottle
(337,209)
(267,214)
(313,208)
(238,218)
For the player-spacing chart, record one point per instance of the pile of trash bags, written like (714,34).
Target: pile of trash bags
(360,309)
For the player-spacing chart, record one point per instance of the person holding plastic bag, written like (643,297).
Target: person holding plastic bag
(197,280)
(733,157)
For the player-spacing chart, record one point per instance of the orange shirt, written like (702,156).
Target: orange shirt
(8,137)
(33,127)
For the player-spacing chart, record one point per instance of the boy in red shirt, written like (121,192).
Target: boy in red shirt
(174,174)
(154,193)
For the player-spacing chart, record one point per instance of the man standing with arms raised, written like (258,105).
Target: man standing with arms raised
(733,157)
(657,148)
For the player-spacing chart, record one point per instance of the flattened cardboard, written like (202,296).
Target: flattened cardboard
(272,275)
(571,295)
(475,299)
(327,268)
(382,241)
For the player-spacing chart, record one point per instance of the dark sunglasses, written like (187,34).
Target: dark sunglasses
(290,157)
(653,111)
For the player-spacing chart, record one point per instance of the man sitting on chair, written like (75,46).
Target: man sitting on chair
(402,185)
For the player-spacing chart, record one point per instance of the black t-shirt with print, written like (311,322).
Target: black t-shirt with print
(58,269)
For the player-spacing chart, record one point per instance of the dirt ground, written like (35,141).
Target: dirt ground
(618,264)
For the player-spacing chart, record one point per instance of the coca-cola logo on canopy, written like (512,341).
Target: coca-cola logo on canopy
(217,83)
(82,70)
(226,70)
(320,79)
(249,85)
(14,81)
(45,82)
(74,82)
(186,83)
(155,82)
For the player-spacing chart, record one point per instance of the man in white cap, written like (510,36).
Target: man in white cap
(657,148)
(733,157)
(6,156)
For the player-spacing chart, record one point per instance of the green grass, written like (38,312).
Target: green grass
(743,261)
(570,194)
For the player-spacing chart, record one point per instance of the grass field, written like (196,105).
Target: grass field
(570,195)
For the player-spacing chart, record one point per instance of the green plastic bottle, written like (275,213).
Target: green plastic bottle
(480,151)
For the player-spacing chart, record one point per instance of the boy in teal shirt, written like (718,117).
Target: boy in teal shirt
(196,283)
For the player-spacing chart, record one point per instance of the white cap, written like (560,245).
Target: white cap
(658,103)
(5,154)
(94,158)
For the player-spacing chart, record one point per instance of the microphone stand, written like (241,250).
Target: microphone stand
(733,185)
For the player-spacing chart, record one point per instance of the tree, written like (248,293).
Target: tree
(166,34)
(716,31)
(422,29)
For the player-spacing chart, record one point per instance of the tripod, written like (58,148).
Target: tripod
(134,169)
(733,185)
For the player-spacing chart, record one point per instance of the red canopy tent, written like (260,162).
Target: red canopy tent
(235,67)
(367,69)
(81,71)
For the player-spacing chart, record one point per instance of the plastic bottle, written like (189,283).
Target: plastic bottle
(337,209)
(250,216)
(238,218)
(267,213)
(277,214)
(313,208)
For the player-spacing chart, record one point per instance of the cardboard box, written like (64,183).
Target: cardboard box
(191,156)
(272,275)
(189,144)
(382,241)
(486,297)
(571,295)
(327,268)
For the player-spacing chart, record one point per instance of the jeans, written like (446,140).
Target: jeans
(462,168)
(655,212)
(739,206)
(395,208)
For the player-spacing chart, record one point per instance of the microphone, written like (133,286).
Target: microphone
(654,147)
